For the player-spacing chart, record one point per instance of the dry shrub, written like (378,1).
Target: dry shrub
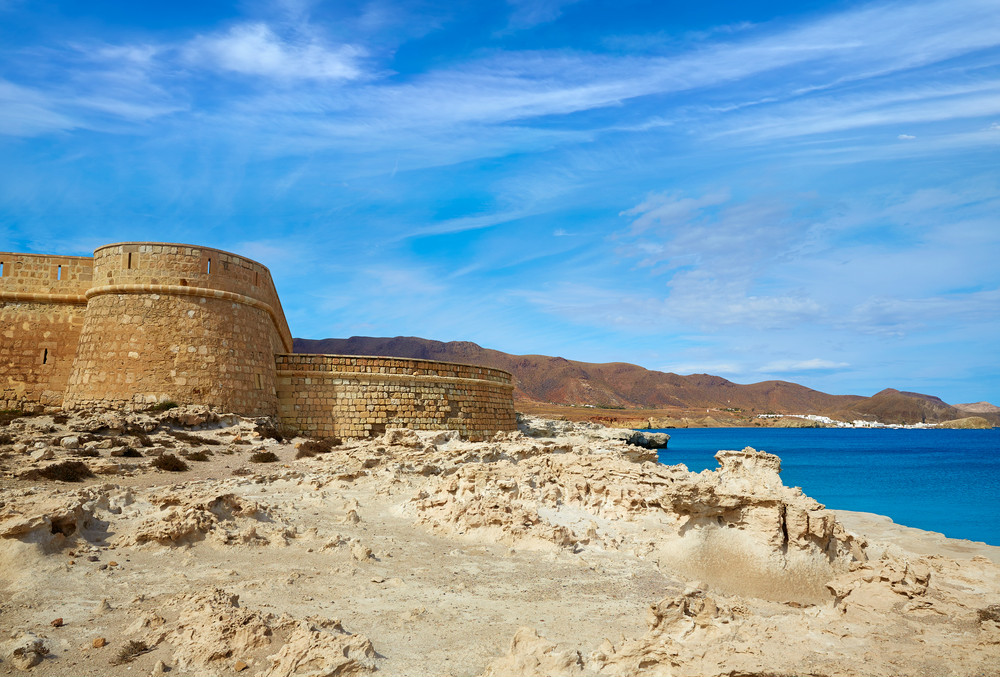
(193,439)
(128,653)
(268,432)
(197,456)
(170,463)
(131,453)
(60,418)
(312,447)
(264,457)
(67,471)
(8,415)
(87,453)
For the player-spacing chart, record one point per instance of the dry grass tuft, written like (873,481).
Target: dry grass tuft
(193,439)
(170,463)
(67,471)
(129,652)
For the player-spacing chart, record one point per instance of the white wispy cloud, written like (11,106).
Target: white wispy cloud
(790,366)
(255,49)
(886,316)
(531,13)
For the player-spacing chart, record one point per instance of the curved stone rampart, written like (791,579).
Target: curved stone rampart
(182,323)
(146,322)
(355,397)
(42,306)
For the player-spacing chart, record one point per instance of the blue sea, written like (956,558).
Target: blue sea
(937,480)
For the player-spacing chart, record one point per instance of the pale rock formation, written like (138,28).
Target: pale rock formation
(533,656)
(26,650)
(741,574)
(192,514)
(318,648)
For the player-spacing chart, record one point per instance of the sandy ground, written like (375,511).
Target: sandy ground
(564,553)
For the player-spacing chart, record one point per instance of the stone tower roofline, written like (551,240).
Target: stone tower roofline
(263,294)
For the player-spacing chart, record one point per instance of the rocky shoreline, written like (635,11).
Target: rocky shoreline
(559,549)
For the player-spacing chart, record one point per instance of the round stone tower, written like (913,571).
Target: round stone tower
(182,323)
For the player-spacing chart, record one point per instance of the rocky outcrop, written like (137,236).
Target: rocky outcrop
(430,547)
(533,426)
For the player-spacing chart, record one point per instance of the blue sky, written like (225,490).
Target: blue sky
(807,191)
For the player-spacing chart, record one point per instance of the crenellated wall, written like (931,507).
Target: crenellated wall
(42,307)
(354,397)
(143,322)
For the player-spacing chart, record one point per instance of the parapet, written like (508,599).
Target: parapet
(187,270)
(45,278)
(355,397)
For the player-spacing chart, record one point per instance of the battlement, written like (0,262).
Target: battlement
(146,322)
(63,278)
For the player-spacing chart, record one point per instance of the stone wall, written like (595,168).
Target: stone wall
(141,323)
(42,306)
(180,323)
(355,397)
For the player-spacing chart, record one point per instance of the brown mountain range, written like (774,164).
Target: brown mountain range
(541,379)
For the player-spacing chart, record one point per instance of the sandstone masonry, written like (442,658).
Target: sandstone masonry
(142,323)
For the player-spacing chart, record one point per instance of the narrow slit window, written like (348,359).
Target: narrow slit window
(256,276)
(45,356)
(129,265)
(208,267)
(1,268)
(260,382)
(58,272)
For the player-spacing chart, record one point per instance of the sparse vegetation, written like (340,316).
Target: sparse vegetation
(143,439)
(193,439)
(268,432)
(129,652)
(67,471)
(59,419)
(310,448)
(170,463)
(88,453)
(197,456)
(264,457)
(8,415)
(131,453)
(163,406)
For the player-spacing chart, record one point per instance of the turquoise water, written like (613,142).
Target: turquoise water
(938,480)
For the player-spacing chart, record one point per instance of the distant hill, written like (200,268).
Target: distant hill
(544,379)
(978,408)
(894,406)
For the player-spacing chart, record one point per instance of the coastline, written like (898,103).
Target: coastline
(882,530)
(666,418)
(558,549)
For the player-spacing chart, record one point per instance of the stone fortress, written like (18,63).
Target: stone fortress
(142,323)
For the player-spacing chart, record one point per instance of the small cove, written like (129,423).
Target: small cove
(946,481)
